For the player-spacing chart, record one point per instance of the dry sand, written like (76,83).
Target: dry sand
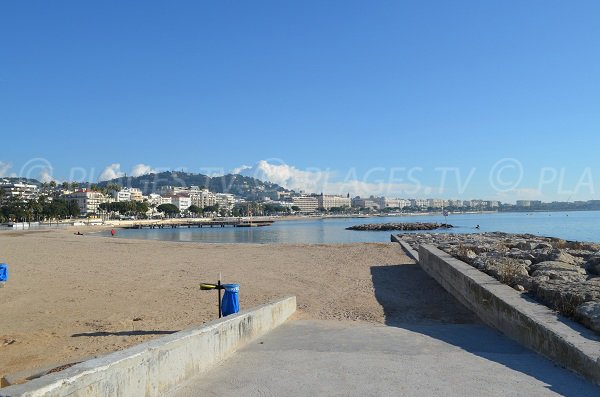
(72,297)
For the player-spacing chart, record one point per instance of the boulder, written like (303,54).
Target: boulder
(593,265)
(557,266)
(588,314)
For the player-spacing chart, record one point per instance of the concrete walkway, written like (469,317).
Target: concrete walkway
(308,358)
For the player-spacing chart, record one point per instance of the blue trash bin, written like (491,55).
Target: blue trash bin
(230,304)
(3,273)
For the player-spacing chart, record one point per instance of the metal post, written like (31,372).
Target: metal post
(219,288)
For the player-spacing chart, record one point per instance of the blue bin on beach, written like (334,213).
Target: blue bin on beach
(3,272)
(230,304)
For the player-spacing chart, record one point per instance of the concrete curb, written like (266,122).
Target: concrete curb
(157,366)
(535,326)
(406,247)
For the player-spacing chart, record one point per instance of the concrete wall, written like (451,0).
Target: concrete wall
(406,247)
(155,367)
(534,325)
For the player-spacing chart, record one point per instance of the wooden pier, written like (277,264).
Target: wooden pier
(201,224)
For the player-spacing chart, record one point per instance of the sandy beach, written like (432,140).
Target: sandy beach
(73,297)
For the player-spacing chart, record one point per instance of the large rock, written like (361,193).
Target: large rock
(564,296)
(593,265)
(509,271)
(557,266)
(557,256)
(588,314)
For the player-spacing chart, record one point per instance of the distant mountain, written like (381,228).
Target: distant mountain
(243,186)
(20,180)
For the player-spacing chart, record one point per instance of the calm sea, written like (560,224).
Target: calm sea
(581,226)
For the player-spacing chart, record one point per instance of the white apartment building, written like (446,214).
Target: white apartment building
(359,202)
(166,200)
(307,204)
(136,194)
(327,202)
(386,202)
(435,203)
(203,198)
(493,204)
(154,199)
(455,203)
(121,195)
(173,190)
(22,191)
(225,200)
(181,202)
(87,200)
(419,203)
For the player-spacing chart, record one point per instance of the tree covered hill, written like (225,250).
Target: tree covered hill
(247,187)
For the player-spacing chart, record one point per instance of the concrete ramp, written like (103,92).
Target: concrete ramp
(322,358)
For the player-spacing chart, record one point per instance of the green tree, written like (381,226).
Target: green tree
(194,209)
(168,209)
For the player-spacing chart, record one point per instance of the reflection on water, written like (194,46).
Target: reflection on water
(582,226)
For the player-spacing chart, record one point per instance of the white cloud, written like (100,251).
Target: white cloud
(4,167)
(287,176)
(111,172)
(142,169)
(46,176)
(240,169)
(317,181)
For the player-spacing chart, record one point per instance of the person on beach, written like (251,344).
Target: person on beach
(112,232)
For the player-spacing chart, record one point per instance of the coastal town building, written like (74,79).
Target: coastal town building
(326,201)
(386,202)
(166,200)
(121,195)
(307,204)
(182,202)
(87,200)
(359,202)
(202,198)
(492,204)
(18,190)
(435,203)
(419,203)
(225,200)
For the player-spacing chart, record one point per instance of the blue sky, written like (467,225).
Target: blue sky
(369,96)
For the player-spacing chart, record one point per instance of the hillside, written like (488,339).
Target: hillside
(247,187)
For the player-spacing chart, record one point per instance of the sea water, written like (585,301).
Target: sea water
(580,226)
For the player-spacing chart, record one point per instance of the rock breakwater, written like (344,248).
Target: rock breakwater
(416,226)
(563,275)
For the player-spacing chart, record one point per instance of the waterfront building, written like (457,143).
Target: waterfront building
(202,198)
(172,190)
(386,202)
(87,200)
(225,200)
(326,201)
(18,190)
(359,202)
(182,202)
(493,204)
(419,203)
(121,195)
(435,203)
(154,199)
(166,200)
(307,204)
